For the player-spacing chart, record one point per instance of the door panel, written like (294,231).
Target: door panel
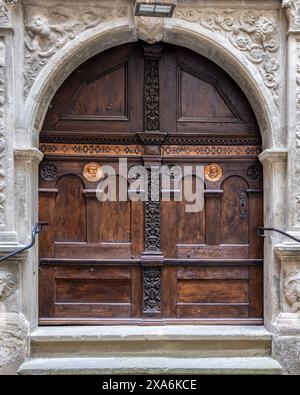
(125,262)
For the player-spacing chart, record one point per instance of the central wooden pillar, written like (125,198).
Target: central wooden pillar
(152,258)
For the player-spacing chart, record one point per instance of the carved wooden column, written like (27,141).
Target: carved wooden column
(152,257)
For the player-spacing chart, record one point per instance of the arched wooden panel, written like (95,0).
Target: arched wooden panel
(105,98)
(235,211)
(68,226)
(201,101)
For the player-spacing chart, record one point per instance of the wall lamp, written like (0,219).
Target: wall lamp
(157,9)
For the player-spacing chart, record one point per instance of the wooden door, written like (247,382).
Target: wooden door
(140,262)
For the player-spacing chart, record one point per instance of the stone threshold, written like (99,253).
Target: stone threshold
(204,366)
(171,332)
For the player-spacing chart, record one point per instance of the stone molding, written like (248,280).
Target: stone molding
(273,155)
(31,154)
(292,11)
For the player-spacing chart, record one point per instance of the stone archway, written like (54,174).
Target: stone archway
(176,31)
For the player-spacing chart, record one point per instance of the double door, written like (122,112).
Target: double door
(133,261)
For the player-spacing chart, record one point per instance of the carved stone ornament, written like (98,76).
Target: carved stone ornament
(255,33)
(292,291)
(296,188)
(213,172)
(150,29)
(7,284)
(292,8)
(92,172)
(2,130)
(4,11)
(49,29)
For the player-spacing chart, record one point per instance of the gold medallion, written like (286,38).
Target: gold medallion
(213,172)
(92,172)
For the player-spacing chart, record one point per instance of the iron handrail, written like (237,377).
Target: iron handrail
(37,228)
(262,230)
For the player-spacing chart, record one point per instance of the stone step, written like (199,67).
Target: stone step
(152,365)
(168,341)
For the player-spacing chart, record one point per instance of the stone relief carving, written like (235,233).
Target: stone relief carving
(297,164)
(253,32)
(292,291)
(150,29)
(293,13)
(7,284)
(4,11)
(49,29)
(2,130)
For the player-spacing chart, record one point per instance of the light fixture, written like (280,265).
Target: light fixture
(158,8)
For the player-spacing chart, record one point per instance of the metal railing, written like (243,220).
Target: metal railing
(261,232)
(38,227)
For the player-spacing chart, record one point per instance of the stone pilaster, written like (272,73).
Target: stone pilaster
(274,163)
(293,113)
(7,234)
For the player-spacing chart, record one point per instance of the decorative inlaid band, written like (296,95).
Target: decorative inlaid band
(91,150)
(210,151)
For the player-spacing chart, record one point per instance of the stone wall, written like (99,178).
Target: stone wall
(41,43)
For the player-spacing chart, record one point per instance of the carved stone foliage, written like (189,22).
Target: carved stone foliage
(2,133)
(293,13)
(297,162)
(7,284)
(150,29)
(152,285)
(5,6)
(255,33)
(292,291)
(50,28)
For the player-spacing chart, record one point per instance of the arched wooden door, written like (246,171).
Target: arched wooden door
(132,262)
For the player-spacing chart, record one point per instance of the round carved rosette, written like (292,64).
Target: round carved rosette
(48,171)
(254,172)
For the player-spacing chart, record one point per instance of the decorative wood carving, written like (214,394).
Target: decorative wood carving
(152,55)
(152,285)
(152,212)
(206,151)
(91,150)
(48,171)
(92,172)
(213,172)
(254,172)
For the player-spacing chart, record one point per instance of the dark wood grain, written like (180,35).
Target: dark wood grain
(92,254)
